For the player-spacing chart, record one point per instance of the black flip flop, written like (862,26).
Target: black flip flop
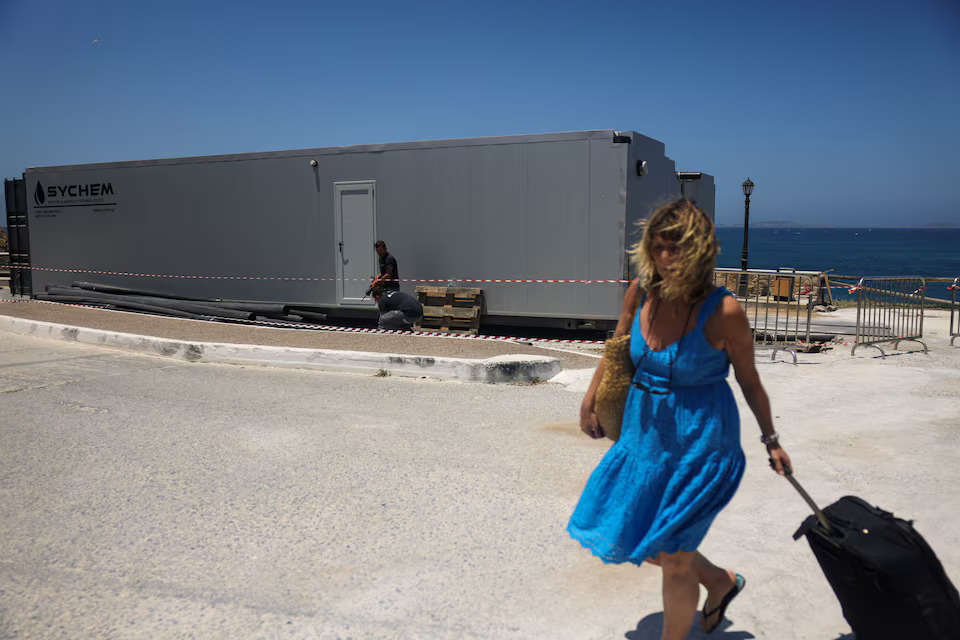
(722,607)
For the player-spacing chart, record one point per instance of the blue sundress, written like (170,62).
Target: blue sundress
(678,461)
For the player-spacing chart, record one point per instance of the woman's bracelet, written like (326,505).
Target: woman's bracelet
(773,438)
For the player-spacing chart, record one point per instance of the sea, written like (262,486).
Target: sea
(864,251)
(848,251)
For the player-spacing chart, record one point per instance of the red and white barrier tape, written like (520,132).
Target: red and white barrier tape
(314,279)
(439,334)
(851,290)
(418,334)
(917,291)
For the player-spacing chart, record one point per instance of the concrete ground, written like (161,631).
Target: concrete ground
(150,498)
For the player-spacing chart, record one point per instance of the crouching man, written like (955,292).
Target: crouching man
(398,310)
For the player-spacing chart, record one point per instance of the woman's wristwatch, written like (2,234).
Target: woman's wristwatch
(773,438)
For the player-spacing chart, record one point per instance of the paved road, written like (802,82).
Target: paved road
(147,499)
(141,498)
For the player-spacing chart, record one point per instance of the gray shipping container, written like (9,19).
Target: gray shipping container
(551,206)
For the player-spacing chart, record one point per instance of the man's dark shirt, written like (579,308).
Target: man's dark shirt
(400,301)
(387,260)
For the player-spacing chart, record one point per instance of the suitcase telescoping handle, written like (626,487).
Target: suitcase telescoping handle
(809,500)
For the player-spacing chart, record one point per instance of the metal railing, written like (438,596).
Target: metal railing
(951,301)
(778,303)
(954,311)
(889,310)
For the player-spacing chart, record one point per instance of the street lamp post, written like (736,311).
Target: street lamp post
(747,190)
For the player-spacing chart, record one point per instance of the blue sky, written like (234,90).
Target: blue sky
(840,112)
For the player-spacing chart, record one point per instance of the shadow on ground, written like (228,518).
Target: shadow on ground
(651,627)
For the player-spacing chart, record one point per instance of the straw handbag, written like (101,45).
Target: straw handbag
(612,392)
(618,370)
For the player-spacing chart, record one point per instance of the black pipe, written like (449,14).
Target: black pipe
(243,305)
(71,299)
(109,288)
(181,305)
(259,308)
(59,289)
(165,311)
(267,309)
(124,305)
(194,307)
(64,290)
(310,315)
(284,318)
(201,309)
(62,297)
(296,307)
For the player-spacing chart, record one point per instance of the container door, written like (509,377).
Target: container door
(355,214)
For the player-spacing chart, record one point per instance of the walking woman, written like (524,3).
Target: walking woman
(678,460)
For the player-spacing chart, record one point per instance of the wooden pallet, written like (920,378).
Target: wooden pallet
(451,309)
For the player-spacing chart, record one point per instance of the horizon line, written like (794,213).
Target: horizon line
(839,226)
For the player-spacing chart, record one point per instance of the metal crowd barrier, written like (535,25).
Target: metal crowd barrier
(889,310)
(954,312)
(951,302)
(778,304)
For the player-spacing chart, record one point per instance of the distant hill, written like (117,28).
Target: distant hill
(774,223)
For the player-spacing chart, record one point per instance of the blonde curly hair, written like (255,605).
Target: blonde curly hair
(691,229)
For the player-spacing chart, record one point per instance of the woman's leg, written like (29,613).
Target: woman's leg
(716,580)
(718,583)
(712,577)
(681,593)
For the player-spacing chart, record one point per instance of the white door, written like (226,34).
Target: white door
(355,214)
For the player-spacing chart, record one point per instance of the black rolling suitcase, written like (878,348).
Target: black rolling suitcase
(890,583)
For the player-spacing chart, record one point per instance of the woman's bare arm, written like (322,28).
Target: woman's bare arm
(737,339)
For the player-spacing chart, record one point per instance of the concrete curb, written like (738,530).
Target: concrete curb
(499,369)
